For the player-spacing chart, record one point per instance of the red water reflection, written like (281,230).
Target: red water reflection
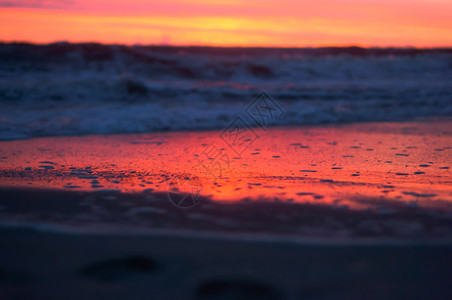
(352,165)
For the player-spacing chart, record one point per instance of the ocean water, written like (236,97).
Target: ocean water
(79,89)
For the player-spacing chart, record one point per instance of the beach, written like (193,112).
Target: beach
(332,211)
(224,173)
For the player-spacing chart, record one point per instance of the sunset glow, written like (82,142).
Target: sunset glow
(285,23)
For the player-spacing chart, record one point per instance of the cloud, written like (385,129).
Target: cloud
(55,4)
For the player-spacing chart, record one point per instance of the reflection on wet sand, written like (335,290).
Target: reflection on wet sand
(356,166)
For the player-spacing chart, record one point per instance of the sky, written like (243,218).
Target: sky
(282,23)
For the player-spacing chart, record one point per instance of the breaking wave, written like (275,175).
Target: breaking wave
(76,89)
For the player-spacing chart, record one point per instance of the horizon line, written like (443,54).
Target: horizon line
(408,47)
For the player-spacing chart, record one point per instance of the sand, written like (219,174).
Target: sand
(279,213)
(43,265)
(335,165)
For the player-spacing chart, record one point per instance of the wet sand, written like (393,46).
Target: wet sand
(358,166)
(283,213)
(366,181)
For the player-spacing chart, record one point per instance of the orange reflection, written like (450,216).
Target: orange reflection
(354,165)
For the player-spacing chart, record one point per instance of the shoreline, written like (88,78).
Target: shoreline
(219,128)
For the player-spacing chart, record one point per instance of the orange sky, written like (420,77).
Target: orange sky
(286,23)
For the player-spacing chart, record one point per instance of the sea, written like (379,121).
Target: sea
(65,89)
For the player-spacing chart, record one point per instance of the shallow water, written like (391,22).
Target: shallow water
(358,166)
